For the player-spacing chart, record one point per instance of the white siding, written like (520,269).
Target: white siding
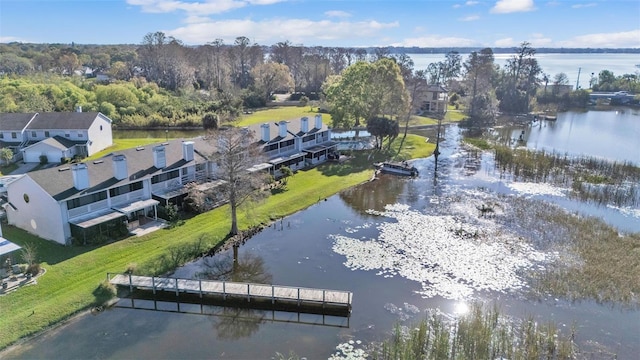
(99,135)
(29,215)
(32,153)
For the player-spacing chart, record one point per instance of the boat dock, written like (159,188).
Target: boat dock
(228,293)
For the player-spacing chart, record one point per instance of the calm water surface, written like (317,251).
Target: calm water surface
(301,250)
(577,67)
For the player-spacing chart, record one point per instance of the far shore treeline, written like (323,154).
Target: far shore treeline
(162,82)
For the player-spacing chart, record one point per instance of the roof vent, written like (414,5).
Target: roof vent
(140,148)
(63,169)
(98,161)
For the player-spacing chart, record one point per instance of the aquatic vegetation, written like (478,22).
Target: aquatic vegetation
(482,333)
(437,252)
(597,180)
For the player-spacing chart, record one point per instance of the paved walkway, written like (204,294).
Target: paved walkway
(23,168)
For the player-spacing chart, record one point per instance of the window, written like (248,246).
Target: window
(435,96)
(121,190)
(14,135)
(80,134)
(308,138)
(271,147)
(100,127)
(286,143)
(67,135)
(1,135)
(86,200)
(46,134)
(165,176)
(33,134)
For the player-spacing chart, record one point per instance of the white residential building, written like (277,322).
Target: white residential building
(122,190)
(55,135)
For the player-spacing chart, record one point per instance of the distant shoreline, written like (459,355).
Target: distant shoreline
(411,49)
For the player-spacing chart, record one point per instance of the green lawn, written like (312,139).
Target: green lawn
(281,113)
(7,169)
(121,144)
(74,273)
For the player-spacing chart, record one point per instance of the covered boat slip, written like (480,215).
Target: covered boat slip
(114,222)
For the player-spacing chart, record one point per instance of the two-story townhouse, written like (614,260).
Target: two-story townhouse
(295,144)
(59,135)
(13,131)
(84,199)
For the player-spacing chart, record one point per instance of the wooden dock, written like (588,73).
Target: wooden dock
(243,294)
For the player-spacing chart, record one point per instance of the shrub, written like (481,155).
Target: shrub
(105,292)
(43,159)
(33,269)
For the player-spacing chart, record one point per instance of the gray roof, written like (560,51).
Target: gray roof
(15,121)
(59,142)
(58,181)
(63,120)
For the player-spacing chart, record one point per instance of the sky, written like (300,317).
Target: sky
(335,23)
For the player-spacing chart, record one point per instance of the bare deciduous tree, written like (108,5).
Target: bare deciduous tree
(236,151)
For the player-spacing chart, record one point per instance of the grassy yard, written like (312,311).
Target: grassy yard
(74,273)
(281,113)
(7,169)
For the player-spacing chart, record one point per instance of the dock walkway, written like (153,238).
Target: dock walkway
(257,293)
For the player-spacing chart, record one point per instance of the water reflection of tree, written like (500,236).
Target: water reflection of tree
(229,266)
(231,322)
(374,195)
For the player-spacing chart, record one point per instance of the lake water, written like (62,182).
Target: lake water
(379,241)
(552,64)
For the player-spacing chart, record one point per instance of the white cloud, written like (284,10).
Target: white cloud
(470,18)
(578,6)
(272,31)
(337,13)
(511,6)
(471,3)
(202,7)
(625,39)
(436,41)
(8,39)
(506,42)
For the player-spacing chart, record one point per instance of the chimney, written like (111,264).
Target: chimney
(265,133)
(78,108)
(282,127)
(318,121)
(159,157)
(80,173)
(187,150)
(120,167)
(304,124)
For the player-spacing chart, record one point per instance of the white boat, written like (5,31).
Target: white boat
(397,168)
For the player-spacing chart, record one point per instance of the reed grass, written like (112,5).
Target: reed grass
(597,180)
(483,333)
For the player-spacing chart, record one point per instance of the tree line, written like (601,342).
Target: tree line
(163,82)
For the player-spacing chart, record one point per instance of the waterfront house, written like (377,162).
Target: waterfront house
(436,99)
(294,144)
(101,196)
(121,191)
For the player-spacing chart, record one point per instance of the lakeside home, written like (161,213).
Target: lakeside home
(120,192)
